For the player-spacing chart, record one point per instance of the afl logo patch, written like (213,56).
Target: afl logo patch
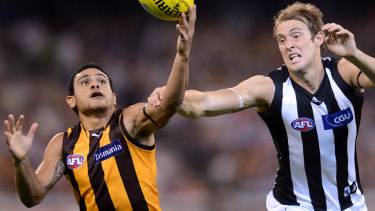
(74,161)
(303,124)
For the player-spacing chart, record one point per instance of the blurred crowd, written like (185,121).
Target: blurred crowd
(205,164)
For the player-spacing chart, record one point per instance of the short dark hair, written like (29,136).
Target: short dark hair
(80,69)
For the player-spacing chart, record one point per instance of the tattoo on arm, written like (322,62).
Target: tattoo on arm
(59,172)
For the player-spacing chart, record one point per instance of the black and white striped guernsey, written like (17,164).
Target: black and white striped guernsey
(315,137)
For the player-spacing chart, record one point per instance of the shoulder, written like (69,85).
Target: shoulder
(134,110)
(132,114)
(279,75)
(256,80)
(57,139)
(257,84)
(55,145)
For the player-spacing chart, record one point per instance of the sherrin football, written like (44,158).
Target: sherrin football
(169,10)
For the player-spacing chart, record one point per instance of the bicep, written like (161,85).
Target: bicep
(365,82)
(257,91)
(52,167)
(352,76)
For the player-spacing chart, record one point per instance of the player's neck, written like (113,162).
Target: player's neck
(309,78)
(95,120)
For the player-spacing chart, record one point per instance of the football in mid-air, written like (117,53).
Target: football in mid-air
(169,10)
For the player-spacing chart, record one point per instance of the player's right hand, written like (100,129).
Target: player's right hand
(185,30)
(18,144)
(156,96)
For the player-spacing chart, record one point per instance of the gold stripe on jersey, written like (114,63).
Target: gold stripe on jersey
(145,167)
(117,190)
(81,173)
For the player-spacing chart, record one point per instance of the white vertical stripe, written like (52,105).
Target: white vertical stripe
(297,166)
(344,103)
(327,157)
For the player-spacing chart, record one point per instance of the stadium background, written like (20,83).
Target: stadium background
(221,163)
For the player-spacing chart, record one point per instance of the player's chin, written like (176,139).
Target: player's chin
(295,67)
(99,107)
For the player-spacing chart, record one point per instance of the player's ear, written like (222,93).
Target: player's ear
(319,38)
(71,101)
(114,99)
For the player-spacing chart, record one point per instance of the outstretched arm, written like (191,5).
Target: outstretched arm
(255,92)
(32,186)
(141,123)
(341,42)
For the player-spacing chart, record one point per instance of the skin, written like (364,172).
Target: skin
(96,103)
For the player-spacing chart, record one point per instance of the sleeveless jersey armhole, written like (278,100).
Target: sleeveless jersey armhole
(129,137)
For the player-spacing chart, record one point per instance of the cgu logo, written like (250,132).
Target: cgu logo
(342,118)
(338,119)
(74,161)
(303,124)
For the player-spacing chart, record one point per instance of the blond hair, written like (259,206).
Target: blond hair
(307,13)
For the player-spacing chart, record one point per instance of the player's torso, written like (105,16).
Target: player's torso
(109,170)
(315,137)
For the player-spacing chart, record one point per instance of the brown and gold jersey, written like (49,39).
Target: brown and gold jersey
(109,170)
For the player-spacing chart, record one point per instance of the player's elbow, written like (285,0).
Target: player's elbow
(191,114)
(30,203)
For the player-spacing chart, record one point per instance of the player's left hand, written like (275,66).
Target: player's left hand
(339,41)
(186,31)
(156,96)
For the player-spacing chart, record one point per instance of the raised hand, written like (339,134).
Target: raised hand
(18,144)
(156,96)
(339,41)
(186,31)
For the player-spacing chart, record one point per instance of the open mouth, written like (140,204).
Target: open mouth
(294,56)
(96,94)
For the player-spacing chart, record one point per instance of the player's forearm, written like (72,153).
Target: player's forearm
(208,104)
(176,85)
(365,63)
(28,186)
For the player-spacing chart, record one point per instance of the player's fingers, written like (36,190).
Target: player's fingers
(333,35)
(330,38)
(184,23)
(154,97)
(327,26)
(180,31)
(19,123)
(8,137)
(11,123)
(192,16)
(6,126)
(335,28)
(31,133)
(153,100)
(345,32)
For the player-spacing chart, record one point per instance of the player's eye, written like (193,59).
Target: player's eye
(85,82)
(297,36)
(102,81)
